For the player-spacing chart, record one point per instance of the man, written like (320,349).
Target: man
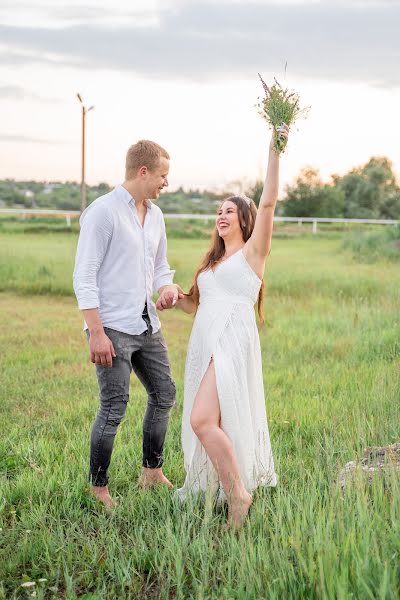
(120,261)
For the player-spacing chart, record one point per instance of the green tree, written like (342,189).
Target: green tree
(310,197)
(371,191)
(255,191)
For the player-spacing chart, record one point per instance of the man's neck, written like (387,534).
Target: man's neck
(140,201)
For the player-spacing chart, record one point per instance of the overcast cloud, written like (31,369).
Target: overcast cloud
(11,138)
(17,92)
(345,41)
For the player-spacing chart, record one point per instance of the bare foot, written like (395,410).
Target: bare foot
(103,495)
(238,510)
(151,477)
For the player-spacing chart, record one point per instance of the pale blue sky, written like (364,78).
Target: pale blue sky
(185,75)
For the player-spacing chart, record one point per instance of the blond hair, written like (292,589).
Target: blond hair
(143,154)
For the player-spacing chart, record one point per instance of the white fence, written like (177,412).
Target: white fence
(67,214)
(316,220)
(27,212)
(298,220)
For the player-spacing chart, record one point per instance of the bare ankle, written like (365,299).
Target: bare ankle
(149,471)
(150,477)
(103,495)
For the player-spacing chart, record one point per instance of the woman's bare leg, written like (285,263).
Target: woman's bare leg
(205,421)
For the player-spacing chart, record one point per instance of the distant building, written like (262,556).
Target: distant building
(29,195)
(49,187)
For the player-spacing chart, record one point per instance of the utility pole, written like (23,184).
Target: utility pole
(83,183)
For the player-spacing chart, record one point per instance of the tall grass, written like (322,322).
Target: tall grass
(33,264)
(374,246)
(330,350)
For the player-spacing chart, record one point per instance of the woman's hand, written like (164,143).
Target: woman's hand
(281,131)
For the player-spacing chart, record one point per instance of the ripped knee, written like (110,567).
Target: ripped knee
(112,413)
(165,399)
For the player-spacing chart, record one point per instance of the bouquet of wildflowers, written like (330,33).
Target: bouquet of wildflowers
(280,105)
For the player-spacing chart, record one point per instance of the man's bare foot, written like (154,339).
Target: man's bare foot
(103,495)
(151,477)
(238,510)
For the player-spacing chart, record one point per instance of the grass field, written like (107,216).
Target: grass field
(331,370)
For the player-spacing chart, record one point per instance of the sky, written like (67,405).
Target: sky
(184,74)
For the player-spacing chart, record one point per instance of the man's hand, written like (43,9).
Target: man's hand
(169,296)
(101,349)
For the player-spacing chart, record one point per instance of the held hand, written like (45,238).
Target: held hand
(169,297)
(281,131)
(101,349)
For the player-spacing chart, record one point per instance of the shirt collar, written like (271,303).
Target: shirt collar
(126,196)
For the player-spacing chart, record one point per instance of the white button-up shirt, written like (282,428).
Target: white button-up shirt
(119,263)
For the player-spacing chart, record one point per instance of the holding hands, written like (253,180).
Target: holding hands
(169,296)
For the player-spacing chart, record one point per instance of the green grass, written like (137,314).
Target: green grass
(373,246)
(37,224)
(330,350)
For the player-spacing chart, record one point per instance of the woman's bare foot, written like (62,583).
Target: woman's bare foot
(151,477)
(103,495)
(238,510)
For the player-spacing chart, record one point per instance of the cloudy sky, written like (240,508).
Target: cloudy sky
(184,73)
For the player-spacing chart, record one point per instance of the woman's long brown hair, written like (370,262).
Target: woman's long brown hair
(247,217)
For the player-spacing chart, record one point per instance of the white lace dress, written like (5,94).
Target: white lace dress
(225,330)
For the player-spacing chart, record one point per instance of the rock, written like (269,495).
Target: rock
(381,459)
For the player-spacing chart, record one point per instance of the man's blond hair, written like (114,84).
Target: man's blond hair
(143,154)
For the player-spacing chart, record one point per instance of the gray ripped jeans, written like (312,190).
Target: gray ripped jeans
(147,355)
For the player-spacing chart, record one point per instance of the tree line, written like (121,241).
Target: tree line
(370,191)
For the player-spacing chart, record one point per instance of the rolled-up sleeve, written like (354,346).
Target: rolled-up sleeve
(163,275)
(96,231)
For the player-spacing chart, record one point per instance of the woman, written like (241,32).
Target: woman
(225,432)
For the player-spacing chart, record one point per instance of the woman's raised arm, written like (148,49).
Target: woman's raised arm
(258,246)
